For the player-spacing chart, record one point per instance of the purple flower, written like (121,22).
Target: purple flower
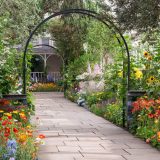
(11,149)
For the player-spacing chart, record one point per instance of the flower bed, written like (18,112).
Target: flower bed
(146,120)
(18,138)
(45,87)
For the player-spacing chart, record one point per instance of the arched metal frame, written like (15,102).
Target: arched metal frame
(88,13)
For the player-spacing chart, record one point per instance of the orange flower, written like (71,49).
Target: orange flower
(22,138)
(23,116)
(158,136)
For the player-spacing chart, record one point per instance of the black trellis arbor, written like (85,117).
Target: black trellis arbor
(105,20)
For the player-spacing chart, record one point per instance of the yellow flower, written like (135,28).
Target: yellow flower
(15,112)
(21,114)
(22,138)
(7,114)
(156,121)
(151,79)
(1,111)
(146,54)
(28,127)
(138,74)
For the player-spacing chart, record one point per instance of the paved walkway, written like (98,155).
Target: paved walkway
(73,133)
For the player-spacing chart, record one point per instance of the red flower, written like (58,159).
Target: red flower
(150,115)
(6,134)
(7,130)
(10,122)
(41,136)
(4,123)
(9,117)
(15,130)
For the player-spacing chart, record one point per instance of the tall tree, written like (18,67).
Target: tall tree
(140,15)
(20,17)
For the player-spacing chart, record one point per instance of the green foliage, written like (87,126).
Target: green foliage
(113,113)
(8,69)
(141,15)
(19,16)
(97,97)
(100,39)
(98,110)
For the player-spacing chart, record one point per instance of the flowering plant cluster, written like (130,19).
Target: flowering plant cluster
(18,141)
(18,138)
(146,118)
(145,73)
(45,87)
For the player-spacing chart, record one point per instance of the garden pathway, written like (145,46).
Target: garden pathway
(73,133)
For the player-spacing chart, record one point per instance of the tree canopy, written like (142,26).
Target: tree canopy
(140,15)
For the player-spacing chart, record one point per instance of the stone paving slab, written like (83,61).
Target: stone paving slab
(73,133)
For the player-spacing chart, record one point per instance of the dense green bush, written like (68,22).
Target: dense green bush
(98,110)
(113,113)
(95,98)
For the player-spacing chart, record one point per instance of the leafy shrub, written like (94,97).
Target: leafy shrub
(98,110)
(113,113)
(95,98)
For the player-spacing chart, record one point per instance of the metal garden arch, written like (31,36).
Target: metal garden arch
(93,14)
